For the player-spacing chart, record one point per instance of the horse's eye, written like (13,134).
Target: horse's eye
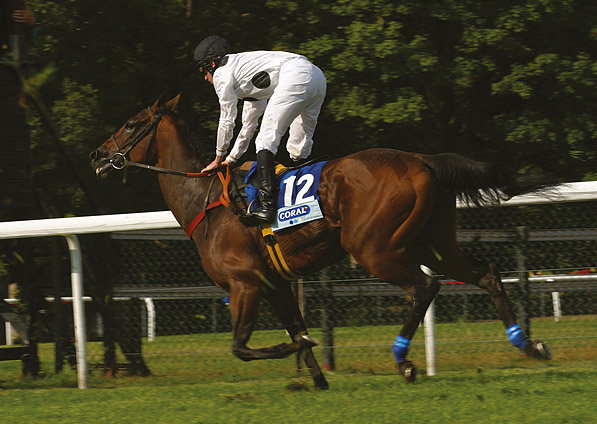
(128,127)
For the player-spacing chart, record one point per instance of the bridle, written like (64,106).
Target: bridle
(119,160)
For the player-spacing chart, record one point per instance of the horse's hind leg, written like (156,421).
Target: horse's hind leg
(399,268)
(455,264)
(492,284)
(422,295)
(284,303)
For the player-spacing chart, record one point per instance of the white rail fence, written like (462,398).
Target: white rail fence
(71,227)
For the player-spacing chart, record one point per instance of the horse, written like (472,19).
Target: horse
(393,211)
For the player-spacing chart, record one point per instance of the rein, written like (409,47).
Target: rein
(119,162)
(224,199)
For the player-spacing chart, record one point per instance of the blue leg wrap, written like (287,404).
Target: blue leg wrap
(400,348)
(517,336)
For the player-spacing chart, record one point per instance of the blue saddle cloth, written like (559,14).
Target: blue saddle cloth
(296,185)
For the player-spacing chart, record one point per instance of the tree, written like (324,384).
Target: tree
(487,79)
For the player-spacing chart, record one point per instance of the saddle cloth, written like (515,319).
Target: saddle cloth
(297,186)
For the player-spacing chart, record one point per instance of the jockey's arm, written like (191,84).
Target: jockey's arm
(228,111)
(252,111)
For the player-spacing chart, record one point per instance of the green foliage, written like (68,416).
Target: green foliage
(487,79)
(77,115)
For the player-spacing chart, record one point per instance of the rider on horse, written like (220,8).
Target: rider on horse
(285,88)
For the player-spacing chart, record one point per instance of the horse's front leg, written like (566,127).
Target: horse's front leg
(284,303)
(244,311)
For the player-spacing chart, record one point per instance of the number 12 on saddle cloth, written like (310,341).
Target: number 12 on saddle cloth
(298,199)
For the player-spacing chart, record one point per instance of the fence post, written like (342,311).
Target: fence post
(151,318)
(522,287)
(429,331)
(57,308)
(430,349)
(214,315)
(9,336)
(557,308)
(78,309)
(327,321)
(300,299)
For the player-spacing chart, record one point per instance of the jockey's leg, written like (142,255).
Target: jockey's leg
(300,139)
(266,211)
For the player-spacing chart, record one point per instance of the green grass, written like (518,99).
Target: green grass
(558,394)
(197,380)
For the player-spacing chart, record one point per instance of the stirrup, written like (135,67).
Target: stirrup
(251,220)
(248,211)
(246,218)
(250,215)
(265,216)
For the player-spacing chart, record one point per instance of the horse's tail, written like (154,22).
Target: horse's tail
(481,183)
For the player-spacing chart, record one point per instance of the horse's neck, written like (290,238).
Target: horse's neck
(183,196)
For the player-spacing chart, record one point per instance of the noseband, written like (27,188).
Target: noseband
(118,160)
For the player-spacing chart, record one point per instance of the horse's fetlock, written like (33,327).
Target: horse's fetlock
(305,341)
(242,354)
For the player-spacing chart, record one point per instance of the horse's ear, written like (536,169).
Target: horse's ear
(159,103)
(173,103)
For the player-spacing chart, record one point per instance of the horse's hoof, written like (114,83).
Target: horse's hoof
(305,341)
(408,371)
(321,384)
(538,350)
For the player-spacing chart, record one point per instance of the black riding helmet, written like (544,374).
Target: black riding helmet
(213,48)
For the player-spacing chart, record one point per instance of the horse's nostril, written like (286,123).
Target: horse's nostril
(93,155)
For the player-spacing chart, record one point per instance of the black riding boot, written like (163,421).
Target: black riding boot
(266,178)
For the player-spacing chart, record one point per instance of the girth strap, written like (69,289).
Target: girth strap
(197,220)
(271,242)
(224,200)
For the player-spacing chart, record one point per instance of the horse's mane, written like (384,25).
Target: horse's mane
(201,149)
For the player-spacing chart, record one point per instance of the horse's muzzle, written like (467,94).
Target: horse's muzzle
(100,163)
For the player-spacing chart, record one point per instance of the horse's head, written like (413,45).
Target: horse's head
(134,141)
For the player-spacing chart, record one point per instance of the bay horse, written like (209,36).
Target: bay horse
(391,210)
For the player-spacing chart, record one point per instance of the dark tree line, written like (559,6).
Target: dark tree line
(513,81)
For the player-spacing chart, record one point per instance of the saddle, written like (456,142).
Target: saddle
(247,188)
(237,186)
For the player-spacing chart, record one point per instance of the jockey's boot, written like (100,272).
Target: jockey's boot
(266,178)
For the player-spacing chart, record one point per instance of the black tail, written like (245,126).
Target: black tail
(483,184)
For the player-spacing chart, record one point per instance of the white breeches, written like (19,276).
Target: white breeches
(295,104)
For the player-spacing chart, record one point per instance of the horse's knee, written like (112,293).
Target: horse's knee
(433,286)
(491,282)
(428,290)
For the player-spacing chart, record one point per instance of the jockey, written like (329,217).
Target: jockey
(285,88)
